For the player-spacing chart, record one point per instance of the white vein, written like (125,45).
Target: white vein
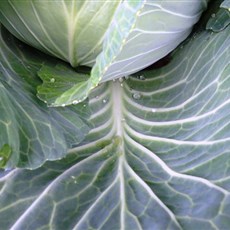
(152,194)
(47,190)
(145,137)
(172,173)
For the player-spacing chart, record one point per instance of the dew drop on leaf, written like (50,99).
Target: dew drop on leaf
(75,102)
(104,101)
(141,77)
(121,79)
(136,96)
(52,80)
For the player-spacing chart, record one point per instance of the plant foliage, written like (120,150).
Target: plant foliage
(147,150)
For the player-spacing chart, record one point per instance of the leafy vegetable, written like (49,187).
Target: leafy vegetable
(146,151)
(157,156)
(116,38)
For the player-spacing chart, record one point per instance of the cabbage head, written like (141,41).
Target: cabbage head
(113,38)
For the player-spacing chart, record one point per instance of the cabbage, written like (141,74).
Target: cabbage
(115,38)
(150,151)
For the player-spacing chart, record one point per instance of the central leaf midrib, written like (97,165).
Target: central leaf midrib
(117,108)
(118,119)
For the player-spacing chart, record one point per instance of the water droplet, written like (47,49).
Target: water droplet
(213,15)
(154,110)
(136,96)
(123,120)
(73,177)
(141,77)
(1,158)
(104,101)
(52,80)
(121,79)
(63,105)
(84,105)
(75,102)
(121,85)
(114,80)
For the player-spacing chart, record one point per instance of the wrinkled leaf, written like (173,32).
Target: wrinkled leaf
(158,156)
(34,132)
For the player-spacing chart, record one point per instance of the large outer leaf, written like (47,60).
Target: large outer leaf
(158,157)
(32,131)
(140,33)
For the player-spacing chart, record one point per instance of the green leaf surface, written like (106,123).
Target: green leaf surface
(34,133)
(5,153)
(58,79)
(157,158)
